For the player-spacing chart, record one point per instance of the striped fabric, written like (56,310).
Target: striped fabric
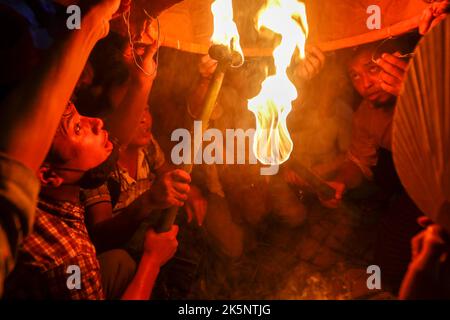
(150,159)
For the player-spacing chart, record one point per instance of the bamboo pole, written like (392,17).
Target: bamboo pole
(372,36)
(169,215)
(317,184)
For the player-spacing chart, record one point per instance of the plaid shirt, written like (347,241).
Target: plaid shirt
(128,190)
(122,190)
(59,240)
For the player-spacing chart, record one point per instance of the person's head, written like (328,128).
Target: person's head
(143,134)
(80,145)
(364,74)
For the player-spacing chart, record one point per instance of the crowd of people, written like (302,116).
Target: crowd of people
(89,191)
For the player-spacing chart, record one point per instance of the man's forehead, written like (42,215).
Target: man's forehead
(70,110)
(67,117)
(361,59)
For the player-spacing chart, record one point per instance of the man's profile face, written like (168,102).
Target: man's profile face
(82,140)
(143,134)
(365,76)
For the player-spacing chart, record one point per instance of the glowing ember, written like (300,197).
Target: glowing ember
(225,29)
(273,144)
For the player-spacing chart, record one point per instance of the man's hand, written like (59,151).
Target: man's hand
(337,200)
(393,72)
(312,65)
(114,8)
(170,190)
(144,55)
(196,206)
(161,246)
(125,6)
(103,11)
(432,15)
(430,264)
(428,246)
(207,66)
(292,178)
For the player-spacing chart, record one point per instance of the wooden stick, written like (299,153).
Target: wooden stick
(376,35)
(319,186)
(169,215)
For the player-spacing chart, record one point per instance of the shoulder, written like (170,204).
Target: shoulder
(54,241)
(90,197)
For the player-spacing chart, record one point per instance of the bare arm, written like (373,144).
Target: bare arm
(171,189)
(206,68)
(102,224)
(141,286)
(128,112)
(429,266)
(350,175)
(30,114)
(327,169)
(158,249)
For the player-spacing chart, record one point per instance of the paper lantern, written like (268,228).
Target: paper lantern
(421,128)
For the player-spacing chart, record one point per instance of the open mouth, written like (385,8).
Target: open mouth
(106,142)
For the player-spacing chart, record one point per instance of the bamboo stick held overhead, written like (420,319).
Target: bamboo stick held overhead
(225,58)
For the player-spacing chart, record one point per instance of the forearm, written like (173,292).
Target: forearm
(143,282)
(36,106)
(418,284)
(198,93)
(122,225)
(328,169)
(125,119)
(350,175)
(113,233)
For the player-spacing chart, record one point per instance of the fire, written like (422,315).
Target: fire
(225,30)
(273,144)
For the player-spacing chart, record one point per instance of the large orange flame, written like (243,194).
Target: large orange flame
(225,30)
(273,144)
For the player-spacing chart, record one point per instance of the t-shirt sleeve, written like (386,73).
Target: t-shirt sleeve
(90,197)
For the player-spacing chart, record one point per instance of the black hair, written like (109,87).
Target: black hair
(109,71)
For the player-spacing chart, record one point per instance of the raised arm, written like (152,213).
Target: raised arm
(31,113)
(169,189)
(158,249)
(128,111)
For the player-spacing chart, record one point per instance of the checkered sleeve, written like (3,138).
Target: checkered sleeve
(94,196)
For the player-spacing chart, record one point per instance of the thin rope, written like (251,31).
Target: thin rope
(126,18)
